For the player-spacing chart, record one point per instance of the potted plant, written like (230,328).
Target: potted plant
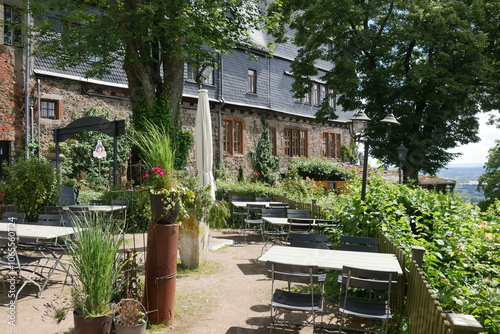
(203,213)
(130,317)
(167,199)
(97,264)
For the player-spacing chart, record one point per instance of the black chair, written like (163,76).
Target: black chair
(97,202)
(374,303)
(299,300)
(308,240)
(19,268)
(263,199)
(359,244)
(14,217)
(294,213)
(51,210)
(254,219)
(238,214)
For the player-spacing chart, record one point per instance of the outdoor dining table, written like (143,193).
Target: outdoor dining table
(100,208)
(330,260)
(283,221)
(240,204)
(40,232)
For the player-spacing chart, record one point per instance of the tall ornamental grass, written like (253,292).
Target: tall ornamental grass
(154,146)
(96,262)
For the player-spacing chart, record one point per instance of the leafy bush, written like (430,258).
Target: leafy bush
(79,162)
(250,190)
(30,185)
(462,244)
(265,163)
(215,213)
(300,189)
(139,210)
(322,169)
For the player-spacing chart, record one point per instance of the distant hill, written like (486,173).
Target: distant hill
(461,174)
(466,178)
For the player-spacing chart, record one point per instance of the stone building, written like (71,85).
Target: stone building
(241,92)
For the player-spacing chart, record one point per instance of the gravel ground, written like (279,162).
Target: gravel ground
(228,295)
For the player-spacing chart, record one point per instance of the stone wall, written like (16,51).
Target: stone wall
(76,98)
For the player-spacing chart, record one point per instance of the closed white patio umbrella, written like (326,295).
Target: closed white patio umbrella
(203,142)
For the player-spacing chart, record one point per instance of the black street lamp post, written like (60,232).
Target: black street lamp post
(357,126)
(402,152)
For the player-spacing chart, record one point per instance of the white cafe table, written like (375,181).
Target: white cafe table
(33,231)
(240,204)
(328,259)
(100,208)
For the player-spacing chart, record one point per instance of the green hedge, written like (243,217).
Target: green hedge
(322,169)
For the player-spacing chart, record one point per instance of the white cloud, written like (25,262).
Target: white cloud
(476,154)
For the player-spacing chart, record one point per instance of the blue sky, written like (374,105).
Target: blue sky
(477,154)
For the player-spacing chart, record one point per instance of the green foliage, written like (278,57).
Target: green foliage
(241,178)
(419,61)
(96,262)
(490,180)
(462,244)
(321,169)
(30,185)
(347,154)
(265,163)
(80,164)
(160,117)
(300,188)
(154,146)
(139,210)
(248,189)
(215,213)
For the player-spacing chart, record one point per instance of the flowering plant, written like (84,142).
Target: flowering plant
(158,180)
(174,196)
(130,312)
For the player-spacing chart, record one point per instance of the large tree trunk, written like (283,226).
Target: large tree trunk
(173,81)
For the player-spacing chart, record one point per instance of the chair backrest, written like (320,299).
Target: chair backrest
(16,217)
(368,279)
(278,205)
(97,202)
(239,198)
(293,213)
(68,196)
(118,202)
(305,274)
(263,199)
(256,209)
(51,220)
(53,209)
(308,240)
(359,244)
(300,224)
(274,213)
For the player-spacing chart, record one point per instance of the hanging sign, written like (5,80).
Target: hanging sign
(99,151)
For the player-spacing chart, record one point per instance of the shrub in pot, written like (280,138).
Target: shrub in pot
(130,317)
(98,265)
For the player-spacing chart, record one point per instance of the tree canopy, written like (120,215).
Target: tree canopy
(151,39)
(490,180)
(433,64)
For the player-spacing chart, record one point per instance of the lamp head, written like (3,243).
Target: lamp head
(402,152)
